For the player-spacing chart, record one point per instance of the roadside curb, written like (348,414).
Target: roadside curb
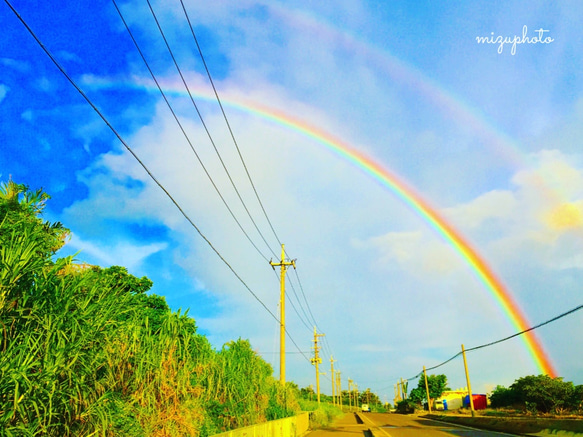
(523,427)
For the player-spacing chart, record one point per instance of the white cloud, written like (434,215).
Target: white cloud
(414,252)
(68,56)
(17,65)
(331,209)
(120,253)
(492,205)
(3,91)
(379,281)
(45,84)
(27,115)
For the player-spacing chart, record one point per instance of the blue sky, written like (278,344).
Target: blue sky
(492,140)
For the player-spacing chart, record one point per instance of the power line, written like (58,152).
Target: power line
(306,320)
(227,122)
(146,169)
(560,316)
(325,343)
(248,174)
(142,164)
(306,300)
(183,131)
(287,353)
(205,126)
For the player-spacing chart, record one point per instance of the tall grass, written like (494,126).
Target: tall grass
(321,414)
(85,351)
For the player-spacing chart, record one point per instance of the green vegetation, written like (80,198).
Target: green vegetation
(437,385)
(321,415)
(540,394)
(406,406)
(352,398)
(86,351)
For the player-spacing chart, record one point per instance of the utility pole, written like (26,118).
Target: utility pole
(317,360)
(283,264)
(468,381)
(350,393)
(397,394)
(339,389)
(427,390)
(333,380)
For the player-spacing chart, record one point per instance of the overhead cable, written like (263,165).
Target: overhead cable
(227,122)
(205,126)
(243,161)
(146,169)
(560,316)
(183,131)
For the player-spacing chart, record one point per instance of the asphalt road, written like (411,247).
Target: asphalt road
(396,425)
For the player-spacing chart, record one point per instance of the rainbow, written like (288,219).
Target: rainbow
(450,105)
(426,212)
(398,187)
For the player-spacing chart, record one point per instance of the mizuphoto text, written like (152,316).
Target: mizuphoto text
(540,37)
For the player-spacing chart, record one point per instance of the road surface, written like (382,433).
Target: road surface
(396,425)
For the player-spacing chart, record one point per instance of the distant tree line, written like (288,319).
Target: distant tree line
(539,394)
(352,397)
(86,350)
(530,394)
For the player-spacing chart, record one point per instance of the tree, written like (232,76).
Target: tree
(20,211)
(27,243)
(543,392)
(437,385)
(86,351)
(539,393)
(368,397)
(502,397)
(576,401)
(308,393)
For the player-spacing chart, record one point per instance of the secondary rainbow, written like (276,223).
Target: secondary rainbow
(400,188)
(424,210)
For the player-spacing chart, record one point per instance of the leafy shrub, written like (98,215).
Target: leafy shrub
(539,394)
(502,397)
(544,392)
(576,401)
(321,415)
(406,406)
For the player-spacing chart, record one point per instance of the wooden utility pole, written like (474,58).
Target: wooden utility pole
(350,393)
(427,390)
(333,380)
(339,389)
(283,264)
(317,360)
(397,394)
(468,380)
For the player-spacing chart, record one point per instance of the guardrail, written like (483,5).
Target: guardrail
(295,426)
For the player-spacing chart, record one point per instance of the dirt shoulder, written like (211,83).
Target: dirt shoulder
(530,426)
